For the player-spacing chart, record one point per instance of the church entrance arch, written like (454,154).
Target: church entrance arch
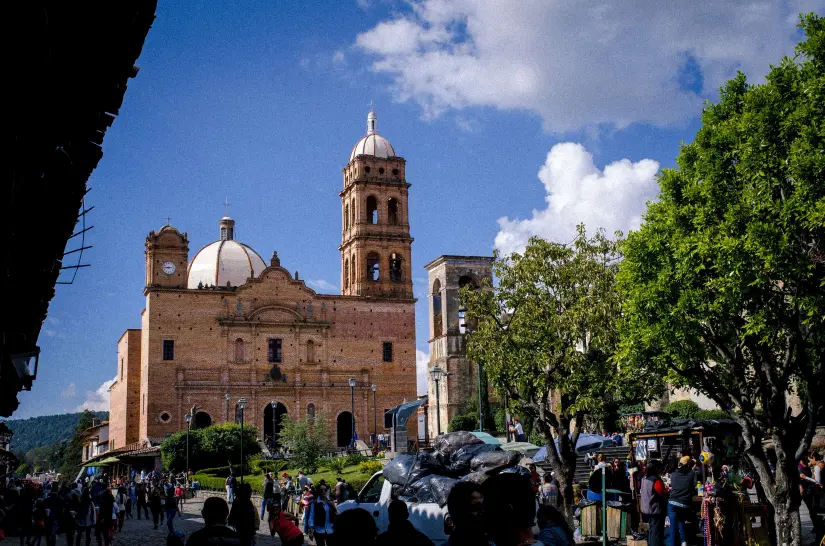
(202,420)
(344,429)
(272,428)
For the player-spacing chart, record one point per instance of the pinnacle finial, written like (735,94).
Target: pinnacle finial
(372,121)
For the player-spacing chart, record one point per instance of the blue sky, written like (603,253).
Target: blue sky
(513,122)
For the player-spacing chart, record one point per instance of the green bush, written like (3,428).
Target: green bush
(336,464)
(354,459)
(208,447)
(462,422)
(370,467)
(683,409)
(307,441)
(273,466)
(210,482)
(711,414)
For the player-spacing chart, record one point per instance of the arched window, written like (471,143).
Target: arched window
(395,268)
(372,210)
(310,351)
(311,413)
(239,350)
(437,320)
(392,211)
(352,269)
(373,267)
(346,216)
(346,272)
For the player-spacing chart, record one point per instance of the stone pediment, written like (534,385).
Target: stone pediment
(276,281)
(274,313)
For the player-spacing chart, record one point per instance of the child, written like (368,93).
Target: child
(284,524)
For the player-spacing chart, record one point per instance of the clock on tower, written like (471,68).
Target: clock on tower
(167,255)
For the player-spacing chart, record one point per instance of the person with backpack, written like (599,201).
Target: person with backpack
(243,516)
(653,504)
(230,487)
(321,517)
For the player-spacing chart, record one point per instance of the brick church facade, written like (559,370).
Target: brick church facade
(225,324)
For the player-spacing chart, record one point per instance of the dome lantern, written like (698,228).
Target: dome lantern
(372,144)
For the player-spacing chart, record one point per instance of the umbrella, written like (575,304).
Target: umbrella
(486,438)
(585,443)
(525,448)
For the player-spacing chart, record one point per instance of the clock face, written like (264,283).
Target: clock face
(168,268)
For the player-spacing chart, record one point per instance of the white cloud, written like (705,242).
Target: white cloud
(70,391)
(338,57)
(321,285)
(421,361)
(577,191)
(97,400)
(577,64)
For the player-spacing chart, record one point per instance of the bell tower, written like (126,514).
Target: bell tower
(167,258)
(375,242)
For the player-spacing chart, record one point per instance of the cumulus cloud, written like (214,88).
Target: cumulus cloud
(70,391)
(321,285)
(97,400)
(578,64)
(578,192)
(421,360)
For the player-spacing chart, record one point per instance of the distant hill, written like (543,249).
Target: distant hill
(44,430)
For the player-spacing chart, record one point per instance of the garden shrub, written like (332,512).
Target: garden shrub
(370,467)
(462,422)
(683,409)
(354,459)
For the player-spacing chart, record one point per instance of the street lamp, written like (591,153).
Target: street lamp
(273,403)
(352,384)
(188,418)
(437,374)
(374,417)
(242,405)
(226,417)
(467,328)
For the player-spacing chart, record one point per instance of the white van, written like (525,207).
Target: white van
(375,498)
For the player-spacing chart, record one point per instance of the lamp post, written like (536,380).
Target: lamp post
(226,417)
(374,416)
(242,405)
(352,383)
(273,404)
(188,418)
(437,373)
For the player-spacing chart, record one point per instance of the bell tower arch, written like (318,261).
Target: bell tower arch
(376,246)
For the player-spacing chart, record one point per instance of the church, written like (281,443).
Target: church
(223,324)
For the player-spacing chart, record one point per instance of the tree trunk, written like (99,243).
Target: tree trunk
(782,491)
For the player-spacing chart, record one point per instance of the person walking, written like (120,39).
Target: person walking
(654,504)
(121,499)
(230,487)
(70,507)
(107,512)
(321,517)
(86,517)
(131,498)
(682,489)
(171,509)
(243,516)
(140,501)
(155,504)
(268,494)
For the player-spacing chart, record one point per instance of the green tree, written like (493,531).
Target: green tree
(72,455)
(683,409)
(546,334)
(307,440)
(215,446)
(463,422)
(725,282)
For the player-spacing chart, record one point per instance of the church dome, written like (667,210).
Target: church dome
(373,144)
(224,261)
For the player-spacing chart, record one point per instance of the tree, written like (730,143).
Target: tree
(725,282)
(546,334)
(210,447)
(462,422)
(307,440)
(683,409)
(72,455)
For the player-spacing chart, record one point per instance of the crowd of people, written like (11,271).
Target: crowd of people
(98,506)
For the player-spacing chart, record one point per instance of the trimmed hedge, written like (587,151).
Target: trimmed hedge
(370,467)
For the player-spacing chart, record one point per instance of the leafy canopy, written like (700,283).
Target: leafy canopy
(307,440)
(214,446)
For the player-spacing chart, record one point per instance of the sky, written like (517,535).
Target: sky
(515,118)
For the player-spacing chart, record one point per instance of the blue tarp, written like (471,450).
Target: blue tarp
(585,443)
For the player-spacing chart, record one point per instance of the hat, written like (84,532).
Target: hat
(685,460)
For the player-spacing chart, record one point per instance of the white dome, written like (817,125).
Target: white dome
(224,261)
(373,144)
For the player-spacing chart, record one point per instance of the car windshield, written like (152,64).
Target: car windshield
(372,491)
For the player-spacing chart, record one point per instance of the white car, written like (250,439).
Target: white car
(375,498)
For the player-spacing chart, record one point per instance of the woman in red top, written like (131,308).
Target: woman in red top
(284,524)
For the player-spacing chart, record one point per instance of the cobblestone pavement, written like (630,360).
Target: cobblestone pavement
(140,533)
